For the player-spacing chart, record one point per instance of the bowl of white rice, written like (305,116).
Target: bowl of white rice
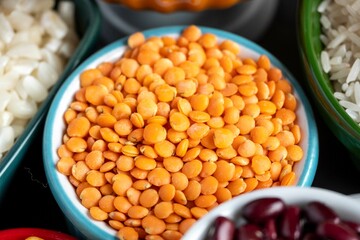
(41,42)
(329,36)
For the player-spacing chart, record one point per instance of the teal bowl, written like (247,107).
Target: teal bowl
(88,19)
(63,191)
(318,83)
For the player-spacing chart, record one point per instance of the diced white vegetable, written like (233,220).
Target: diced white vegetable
(23,109)
(53,24)
(24,50)
(6,31)
(20,20)
(3,61)
(67,12)
(34,88)
(9,5)
(22,66)
(4,99)
(35,43)
(35,6)
(53,44)
(7,137)
(6,118)
(8,81)
(66,49)
(53,59)
(47,74)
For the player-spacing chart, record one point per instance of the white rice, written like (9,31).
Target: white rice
(35,43)
(340,21)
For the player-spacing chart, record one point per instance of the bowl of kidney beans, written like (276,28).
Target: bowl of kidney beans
(282,213)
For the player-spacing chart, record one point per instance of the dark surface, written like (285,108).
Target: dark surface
(29,202)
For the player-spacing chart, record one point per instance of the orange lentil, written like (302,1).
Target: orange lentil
(224,171)
(245,123)
(236,187)
(76,144)
(167,192)
(193,190)
(223,138)
(78,127)
(179,180)
(90,197)
(154,133)
(251,184)
(192,168)
(295,153)
(197,130)
(192,153)
(164,148)
(153,225)
(159,177)
(64,165)
(278,98)
(88,76)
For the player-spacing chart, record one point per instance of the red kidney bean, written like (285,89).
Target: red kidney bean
(260,210)
(336,231)
(224,229)
(290,223)
(270,232)
(318,212)
(272,219)
(249,231)
(353,225)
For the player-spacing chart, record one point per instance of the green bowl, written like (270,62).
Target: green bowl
(88,19)
(318,83)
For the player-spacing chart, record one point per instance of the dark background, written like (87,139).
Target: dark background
(29,202)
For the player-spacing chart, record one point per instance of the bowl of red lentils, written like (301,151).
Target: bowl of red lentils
(156,129)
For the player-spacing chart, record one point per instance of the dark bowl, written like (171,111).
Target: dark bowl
(88,18)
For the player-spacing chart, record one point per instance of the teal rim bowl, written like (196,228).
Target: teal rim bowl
(64,192)
(340,123)
(88,20)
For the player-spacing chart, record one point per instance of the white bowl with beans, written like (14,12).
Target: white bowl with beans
(72,177)
(344,210)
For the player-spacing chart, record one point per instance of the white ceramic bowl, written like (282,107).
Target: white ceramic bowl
(346,207)
(64,192)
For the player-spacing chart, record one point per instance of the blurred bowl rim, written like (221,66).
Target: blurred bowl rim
(246,11)
(290,195)
(22,233)
(321,84)
(49,150)
(11,160)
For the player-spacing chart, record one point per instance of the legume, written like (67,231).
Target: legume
(174,128)
(272,218)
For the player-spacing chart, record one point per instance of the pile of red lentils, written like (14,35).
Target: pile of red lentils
(175,127)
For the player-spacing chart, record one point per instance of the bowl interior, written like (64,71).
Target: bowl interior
(54,127)
(345,206)
(320,86)
(87,17)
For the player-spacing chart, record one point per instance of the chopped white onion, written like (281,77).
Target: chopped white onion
(7,137)
(35,43)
